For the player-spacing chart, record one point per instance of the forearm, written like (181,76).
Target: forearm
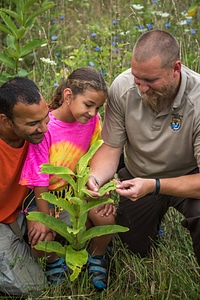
(42,205)
(104,163)
(187,186)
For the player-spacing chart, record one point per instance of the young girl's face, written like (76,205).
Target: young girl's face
(85,106)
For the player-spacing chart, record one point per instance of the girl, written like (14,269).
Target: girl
(73,127)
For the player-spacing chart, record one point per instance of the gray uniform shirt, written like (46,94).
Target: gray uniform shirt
(156,145)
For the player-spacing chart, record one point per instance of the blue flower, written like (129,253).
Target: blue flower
(115,50)
(114,22)
(62,17)
(155,2)
(167,25)
(57,54)
(113,44)
(97,48)
(193,31)
(136,27)
(55,84)
(115,37)
(93,34)
(149,26)
(102,72)
(54,37)
(142,27)
(54,22)
(91,63)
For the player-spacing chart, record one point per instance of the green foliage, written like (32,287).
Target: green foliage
(76,234)
(17,26)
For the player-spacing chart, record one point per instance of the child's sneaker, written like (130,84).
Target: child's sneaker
(97,269)
(55,272)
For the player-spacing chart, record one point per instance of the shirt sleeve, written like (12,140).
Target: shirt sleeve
(36,156)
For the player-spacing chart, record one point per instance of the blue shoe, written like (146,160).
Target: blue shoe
(56,272)
(97,269)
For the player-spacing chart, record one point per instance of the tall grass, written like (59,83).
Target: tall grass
(101,33)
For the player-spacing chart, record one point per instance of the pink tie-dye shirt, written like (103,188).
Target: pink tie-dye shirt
(63,145)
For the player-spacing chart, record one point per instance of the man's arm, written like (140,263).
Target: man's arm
(187,186)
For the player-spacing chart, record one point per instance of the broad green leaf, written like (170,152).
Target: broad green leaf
(102,230)
(58,170)
(12,53)
(13,14)
(38,12)
(83,162)
(5,29)
(22,72)
(29,46)
(75,260)
(53,223)
(92,204)
(60,202)
(9,23)
(7,61)
(11,41)
(110,186)
(52,247)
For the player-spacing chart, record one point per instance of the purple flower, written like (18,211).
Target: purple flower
(114,22)
(113,44)
(91,63)
(97,48)
(93,34)
(54,37)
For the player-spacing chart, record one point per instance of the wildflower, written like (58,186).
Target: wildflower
(102,72)
(54,22)
(149,26)
(193,31)
(55,84)
(164,15)
(57,54)
(138,6)
(93,34)
(167,25)
(115,37)
(136,27)
(182,22)
(114,22)
(155,2)
(62,17)
(115,50)
(97,48)
(91,63)
(48,61)
(54,37)
(113,44)
(189,20)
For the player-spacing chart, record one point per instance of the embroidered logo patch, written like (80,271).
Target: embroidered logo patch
(176,122)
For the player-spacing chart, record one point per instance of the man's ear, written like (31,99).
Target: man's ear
(5,121)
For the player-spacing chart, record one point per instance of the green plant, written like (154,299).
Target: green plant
(76,234)
(17,25)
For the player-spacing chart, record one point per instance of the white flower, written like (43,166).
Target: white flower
(138,6)
(48,61)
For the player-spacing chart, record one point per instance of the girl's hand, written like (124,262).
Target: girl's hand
(106,210)
(39,232)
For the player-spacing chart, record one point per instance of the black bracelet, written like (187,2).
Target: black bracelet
(157,188)
(96,181)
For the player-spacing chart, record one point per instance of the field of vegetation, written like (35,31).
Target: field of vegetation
(46,40)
